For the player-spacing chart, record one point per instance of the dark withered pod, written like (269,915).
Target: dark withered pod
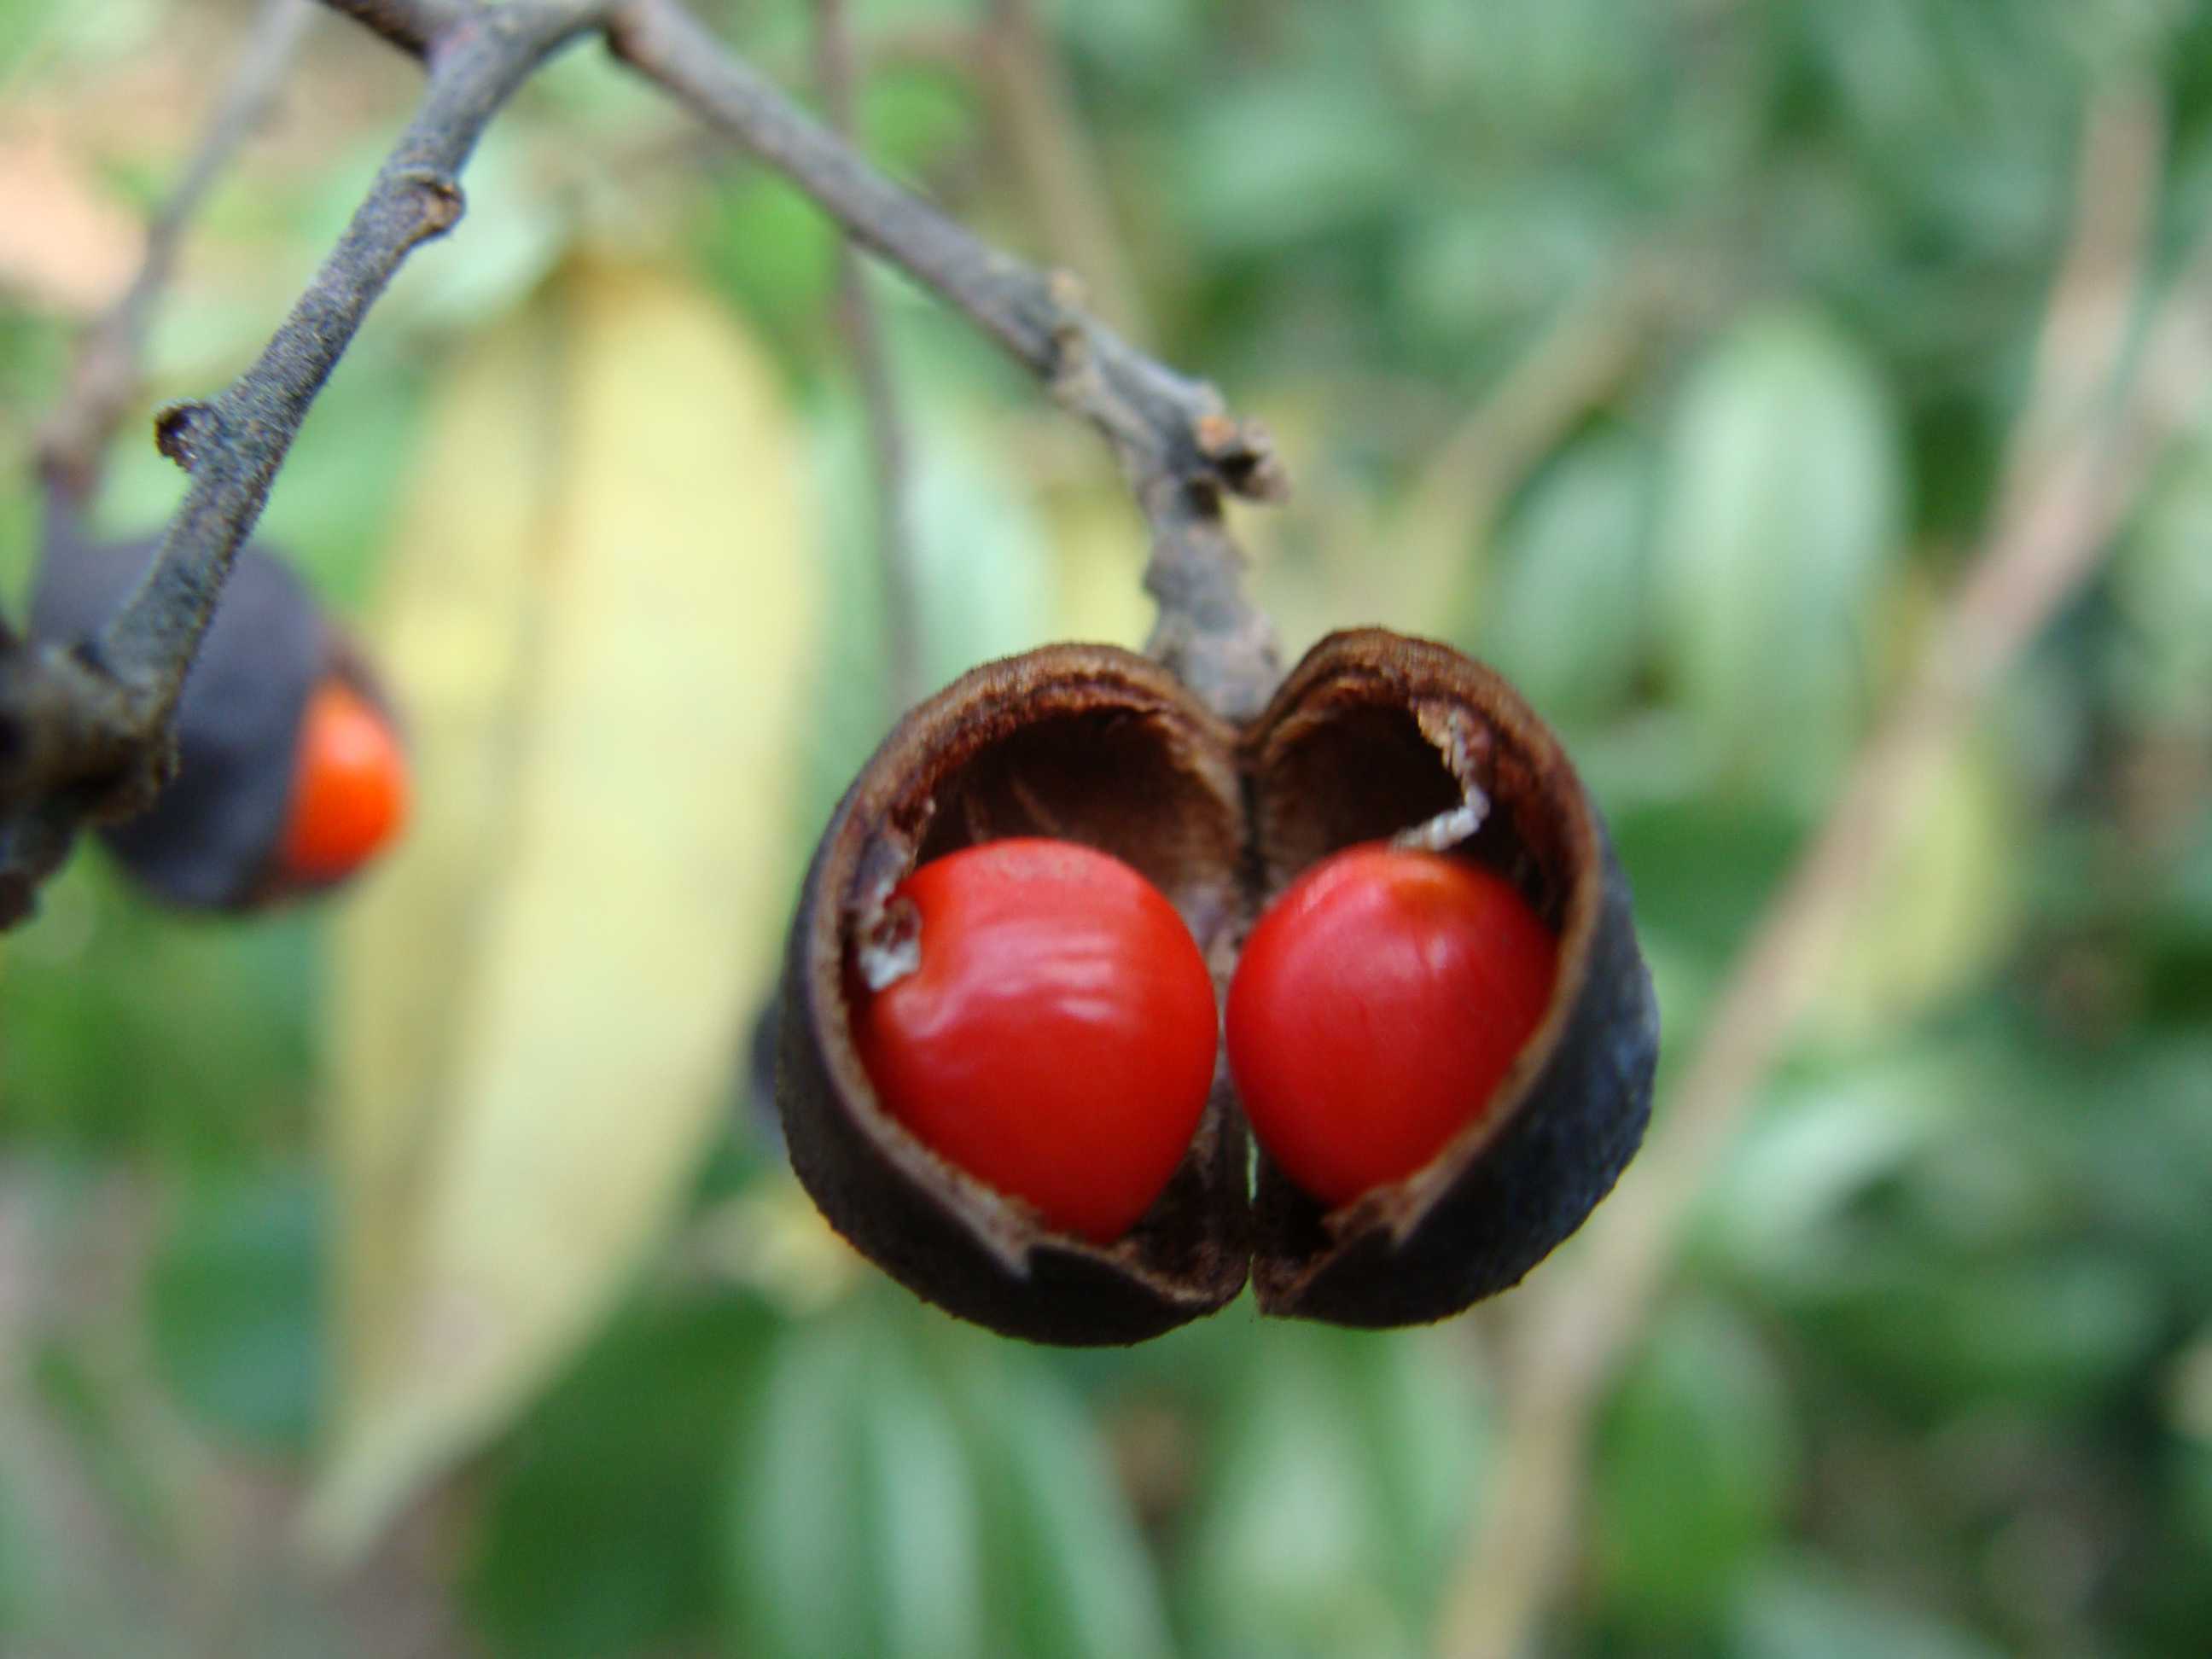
(1373,737)
(1084,744)
(218,836)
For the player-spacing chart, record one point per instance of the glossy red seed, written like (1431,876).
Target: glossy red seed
(1376,1008)
(349,787)
(1057,1039)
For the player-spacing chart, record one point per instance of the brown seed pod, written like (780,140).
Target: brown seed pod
(210,840)
(1373,736)
(1084,744)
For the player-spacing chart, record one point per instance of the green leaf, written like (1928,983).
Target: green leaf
(912,121)
(2142,1188)
(1542,71)
(1068,1572)
(1695,1462)
(1501,262)
(2193,1495)
(1277,1562)
(1567,618)
(236,1308)
(131,1027)
(1270,162)
(2059,1333)
(925,1527)
(598,1532)
(605,615)
(1703,870)
(853,1513)
(1780,1201)
(1805,1609)
(1133,40)
(1780,512)
(798,1502)
(1342,1483)
(22,1569)
(768,247)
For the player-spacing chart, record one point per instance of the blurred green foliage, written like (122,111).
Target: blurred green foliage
(1937,1378)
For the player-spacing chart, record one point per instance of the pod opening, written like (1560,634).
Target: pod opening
(1118,778)
(1350,756)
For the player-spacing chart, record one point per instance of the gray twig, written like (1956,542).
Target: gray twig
(1182,453)
(85,728)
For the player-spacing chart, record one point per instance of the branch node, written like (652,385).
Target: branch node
(1243,454)
(183,431)
(1215,433)
(1068,293)
(439,202)
(1075,381)
(133,783)
(90,726)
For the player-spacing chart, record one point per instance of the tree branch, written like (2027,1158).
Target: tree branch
(233,445)
(2082,451)
(84,730)
(85,727)
(1182,452)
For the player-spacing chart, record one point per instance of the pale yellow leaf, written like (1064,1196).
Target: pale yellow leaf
(630,919)
(451,641)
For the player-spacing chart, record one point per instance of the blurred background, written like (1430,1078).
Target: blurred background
(418,1273)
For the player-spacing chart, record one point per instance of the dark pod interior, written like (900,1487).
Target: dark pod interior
(1371,735)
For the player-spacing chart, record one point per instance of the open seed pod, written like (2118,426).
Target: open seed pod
(1085,744)
(1372,737)
(211,839)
